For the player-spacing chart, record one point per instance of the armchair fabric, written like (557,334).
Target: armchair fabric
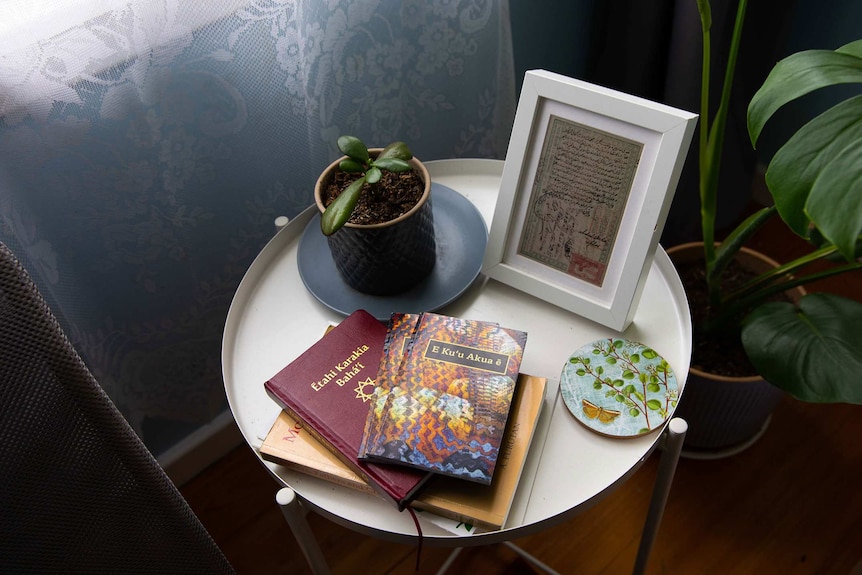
(81,493)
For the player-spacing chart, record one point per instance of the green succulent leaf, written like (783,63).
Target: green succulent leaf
(338,212)
(353,147)
(628,374)
(811,352)
(634,412)
(635,358)
(653,404)
(653,388)
(649,353)
(351,166)
(373,175)
(393,164)
(396,150)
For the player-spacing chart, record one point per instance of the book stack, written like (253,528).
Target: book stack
(429,411)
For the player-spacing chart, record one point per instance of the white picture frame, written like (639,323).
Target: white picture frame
(586,187)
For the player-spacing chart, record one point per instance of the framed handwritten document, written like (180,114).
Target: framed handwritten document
(586,188)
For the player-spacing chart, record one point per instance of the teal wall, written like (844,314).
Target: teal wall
(565,37)
(554,35)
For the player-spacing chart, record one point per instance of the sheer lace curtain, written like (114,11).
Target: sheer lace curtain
(146,146)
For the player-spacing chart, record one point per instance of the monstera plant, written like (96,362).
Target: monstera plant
(810,348)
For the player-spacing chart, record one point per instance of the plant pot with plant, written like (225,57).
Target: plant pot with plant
(375,207)
(805,345)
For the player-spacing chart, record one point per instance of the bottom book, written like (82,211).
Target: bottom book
(485,506)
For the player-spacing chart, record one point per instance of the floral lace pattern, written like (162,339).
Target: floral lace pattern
(146,151)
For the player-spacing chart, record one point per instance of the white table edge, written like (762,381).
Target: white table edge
(490,168)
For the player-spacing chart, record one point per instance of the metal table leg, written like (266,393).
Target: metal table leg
(293,512)
(671,446)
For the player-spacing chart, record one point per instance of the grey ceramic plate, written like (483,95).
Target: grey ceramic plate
(461,237)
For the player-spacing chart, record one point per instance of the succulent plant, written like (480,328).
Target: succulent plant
(393,158)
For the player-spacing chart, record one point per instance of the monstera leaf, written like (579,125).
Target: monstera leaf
(814,352)
(816,177)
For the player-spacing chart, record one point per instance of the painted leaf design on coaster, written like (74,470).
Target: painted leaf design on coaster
(619,388)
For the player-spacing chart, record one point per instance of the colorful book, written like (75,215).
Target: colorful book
(488,506)
(449,399)
(398,334)
(327,388)
(485,506)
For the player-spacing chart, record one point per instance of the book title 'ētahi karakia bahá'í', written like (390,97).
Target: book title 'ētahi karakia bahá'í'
(327,389)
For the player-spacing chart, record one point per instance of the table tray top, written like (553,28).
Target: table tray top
(273,319)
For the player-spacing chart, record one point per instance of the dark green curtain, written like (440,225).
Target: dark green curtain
(653,50)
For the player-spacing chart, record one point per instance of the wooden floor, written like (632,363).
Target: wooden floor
(790,504)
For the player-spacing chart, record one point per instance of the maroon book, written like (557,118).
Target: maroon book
(329,389)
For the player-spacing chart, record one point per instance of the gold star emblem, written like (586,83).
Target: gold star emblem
(360,390)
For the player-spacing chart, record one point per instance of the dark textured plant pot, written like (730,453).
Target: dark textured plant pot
(725,415)
(387,258)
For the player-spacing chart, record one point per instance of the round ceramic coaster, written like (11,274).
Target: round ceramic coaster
(619,388)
